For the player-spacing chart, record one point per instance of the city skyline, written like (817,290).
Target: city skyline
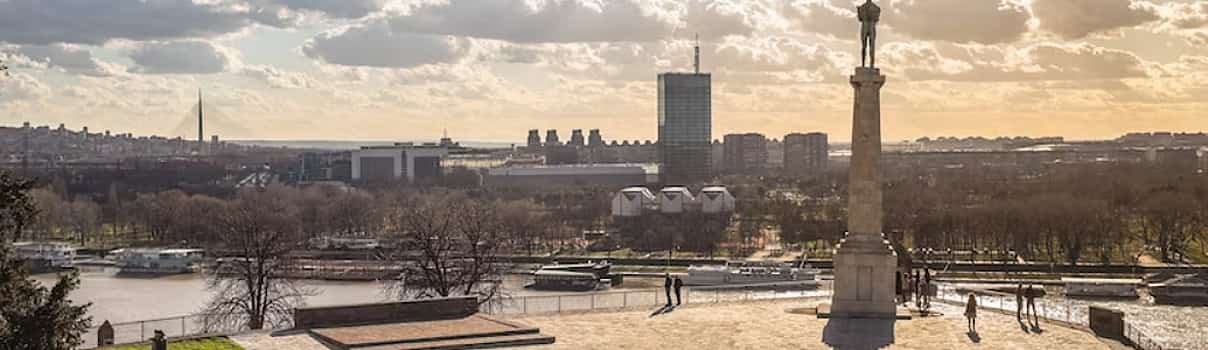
(1080,69)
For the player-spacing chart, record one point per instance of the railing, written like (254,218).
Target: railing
(132,332)
(1140,340)
(546,304)
(1053,310)
(137,331)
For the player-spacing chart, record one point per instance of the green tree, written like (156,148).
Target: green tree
(31,316)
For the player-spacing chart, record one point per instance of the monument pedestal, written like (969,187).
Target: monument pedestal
(865,263)
(864,279)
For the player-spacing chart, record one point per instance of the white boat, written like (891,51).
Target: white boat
(157,261)
(1179,289)
(742,273)
(1101,287)
(46,256)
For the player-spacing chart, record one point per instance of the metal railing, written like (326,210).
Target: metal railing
(1053,310)
(190,325)
(546,304)
(137,331)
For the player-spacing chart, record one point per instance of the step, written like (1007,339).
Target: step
(486,342)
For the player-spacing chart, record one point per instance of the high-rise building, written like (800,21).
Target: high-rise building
(745,153)
(685,125)
(551,138)
(594,139)
(806,154)
(576,138)
(534,139)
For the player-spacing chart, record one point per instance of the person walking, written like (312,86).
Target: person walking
(667,286)
(1019,302)
(1031,296)
(927,287)
(971,313)
(897,287)
(679,284)
(917,296)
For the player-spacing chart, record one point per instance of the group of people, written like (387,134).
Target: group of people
(1025,307)
(672,282)
(914,286)
(1024,311)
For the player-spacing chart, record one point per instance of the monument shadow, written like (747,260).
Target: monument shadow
(858,333)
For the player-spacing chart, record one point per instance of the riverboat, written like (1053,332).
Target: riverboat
(574,277)
(42,257)
(744,273)
(1179,289)
(1101,287)
(156,261)
(564,280)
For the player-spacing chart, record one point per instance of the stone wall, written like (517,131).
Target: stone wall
(392,312)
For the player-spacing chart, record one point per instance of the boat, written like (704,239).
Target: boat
(749,273)
(42,257)
(1179,289)
(157,261)
(565,280)
(1101,287)
(574,277)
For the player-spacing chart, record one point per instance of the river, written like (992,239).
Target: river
(119,299)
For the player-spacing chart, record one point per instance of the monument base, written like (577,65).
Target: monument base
(865,267)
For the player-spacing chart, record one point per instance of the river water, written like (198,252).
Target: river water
(119,299)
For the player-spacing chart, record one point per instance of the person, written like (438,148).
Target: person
(1019,302)
(667,286)
(679,283)
(1031,295)
(917,295)
(971,312)
(927,286)
(897,287)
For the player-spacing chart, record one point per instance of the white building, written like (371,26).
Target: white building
(675,200)
(572,175)
(716,200)
(400,161)
(633,201)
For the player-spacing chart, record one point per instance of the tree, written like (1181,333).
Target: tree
(449,244)
(32,317)
(252,290)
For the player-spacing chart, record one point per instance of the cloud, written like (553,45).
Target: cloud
(822,17)
(43,22)
(1046,61)
(22,87)
(181,57)
(537,21)
(1076,19)
(279,78)
(337,9)
(959,21)
(65,57)
(375,44)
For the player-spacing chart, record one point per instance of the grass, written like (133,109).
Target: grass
(196,344)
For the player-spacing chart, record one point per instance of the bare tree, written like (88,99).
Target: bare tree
(251,289)
(449,245)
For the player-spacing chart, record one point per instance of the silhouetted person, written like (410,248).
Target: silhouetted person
(971,312)
(1019,302)
(1031,295)
(917,295)
(667,287)
(159,341)
(897,287)
(679,283)
(926,286)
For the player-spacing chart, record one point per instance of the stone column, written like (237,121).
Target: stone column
(864,261)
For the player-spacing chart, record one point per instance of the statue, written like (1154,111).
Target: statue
(869,14)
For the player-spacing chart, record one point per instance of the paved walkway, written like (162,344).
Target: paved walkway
(763,325)
(767,325)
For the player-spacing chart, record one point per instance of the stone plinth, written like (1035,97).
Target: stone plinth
(864,261)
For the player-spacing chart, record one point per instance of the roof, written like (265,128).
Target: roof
(1101,280)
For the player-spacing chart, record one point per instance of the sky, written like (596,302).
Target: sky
(489,70)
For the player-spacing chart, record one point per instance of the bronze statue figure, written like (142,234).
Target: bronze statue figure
(869,14)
